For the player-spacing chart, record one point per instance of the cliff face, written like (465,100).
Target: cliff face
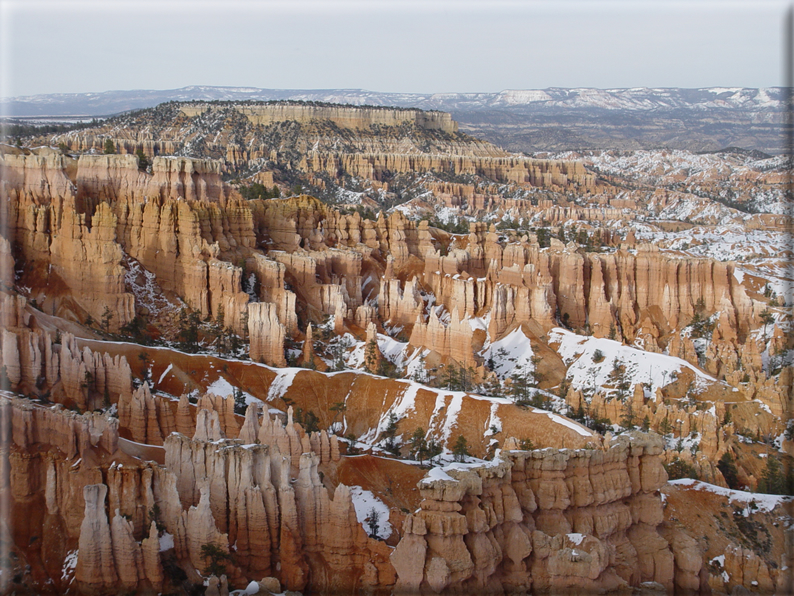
(491,525)
(328,145)
(581,521)
(343,116)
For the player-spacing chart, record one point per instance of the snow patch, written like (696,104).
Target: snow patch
(364,502)
(585,432)
(576,538)
(282,382)
(589,369)
(763,503)
(166,542)
(165,372)
(514,351)
(69,564)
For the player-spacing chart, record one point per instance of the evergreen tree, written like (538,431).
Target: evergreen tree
(337,408)
(215,558)
(371,356)
(110,148)
(520,386)
(107,316)
(461,449)
(372,519)
(680,469)
(727,467)
(390,432)
(143,161)
(144,358)
(239,401)
(526,445)
(433,449)
(627,420)
(665,427)
(772,481)
(188,331)
(767,319)
(418,445)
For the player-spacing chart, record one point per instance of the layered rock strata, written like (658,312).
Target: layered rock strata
(580,521)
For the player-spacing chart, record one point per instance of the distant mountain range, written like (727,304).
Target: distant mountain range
(519,120)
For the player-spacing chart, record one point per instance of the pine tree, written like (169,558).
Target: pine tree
(433,449)
(727,467)
(143,161)
(390,432)
(665,427)
(107,316)
(110,148)
(772,482)
(520,386)
(371,356)
(461,449)
(766,319)
(373,517)
(239,401)
(418,445)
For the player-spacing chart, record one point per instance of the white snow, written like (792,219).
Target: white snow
(406,401)
(655,370)
(437,474)
(69,564)
(221,387)
(494,422)
(763,502)
(513,351)
(364,501)
(453,409)
(719,559)
(282,382)
(165,372)
(585,432)
(166,542)
(576,538)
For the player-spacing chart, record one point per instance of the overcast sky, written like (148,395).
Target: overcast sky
(395,46)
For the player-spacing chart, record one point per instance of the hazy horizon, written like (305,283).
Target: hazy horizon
(350,89)
(389,47)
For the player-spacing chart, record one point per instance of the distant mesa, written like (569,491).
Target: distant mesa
(344,116)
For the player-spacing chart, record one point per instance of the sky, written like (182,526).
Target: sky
(433,46)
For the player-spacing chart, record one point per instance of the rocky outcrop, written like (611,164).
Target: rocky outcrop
(72,434)
(454,340)
(82,377)
(270,275)
(343,116)
(244,496)
(96,566)
(117,177)
(266,334)
(556,520)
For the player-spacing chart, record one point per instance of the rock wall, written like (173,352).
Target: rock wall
(343,116)
(266,334)
(580,521)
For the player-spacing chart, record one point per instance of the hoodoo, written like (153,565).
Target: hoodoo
(330,349)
